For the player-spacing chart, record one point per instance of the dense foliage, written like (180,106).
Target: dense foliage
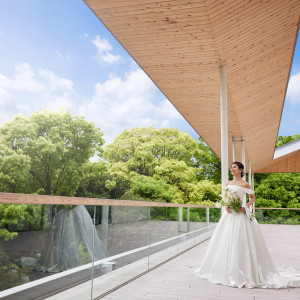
(49,153)
(52,146)
(281,140)
(42,154)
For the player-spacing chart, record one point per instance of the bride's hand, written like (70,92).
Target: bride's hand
(228,209)
(242,209)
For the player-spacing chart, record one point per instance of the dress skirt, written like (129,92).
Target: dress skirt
(238,256)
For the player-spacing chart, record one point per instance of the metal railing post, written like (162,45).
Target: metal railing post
(207,216)
(188,225)
(93,256)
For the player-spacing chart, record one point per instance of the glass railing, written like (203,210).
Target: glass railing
(49,245)
(89,247)
(288,216)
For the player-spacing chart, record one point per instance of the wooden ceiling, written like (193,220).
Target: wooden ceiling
(181,45)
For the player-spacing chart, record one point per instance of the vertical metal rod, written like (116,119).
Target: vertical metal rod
(188,225)
(93,256)
(178,230)
(207,216)
(224,127)
(149,239)
(180,219)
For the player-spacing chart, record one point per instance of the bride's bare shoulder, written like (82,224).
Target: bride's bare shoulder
(246,185)
(229,182)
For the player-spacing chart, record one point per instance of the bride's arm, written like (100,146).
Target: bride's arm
(228,209)
(251,201)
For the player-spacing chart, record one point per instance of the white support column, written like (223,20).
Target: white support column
(249,173)
(252,186)
(233,149)
(243,158)
(224,126)
(243,152)
(250,179)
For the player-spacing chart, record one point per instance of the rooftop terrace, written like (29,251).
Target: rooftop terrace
(174,279)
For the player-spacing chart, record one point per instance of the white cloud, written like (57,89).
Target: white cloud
(66,55)
(104,49)
(28,91)
(293,91)
(54,82)
(120,104)
(167,110)
(25,79)
(117,103)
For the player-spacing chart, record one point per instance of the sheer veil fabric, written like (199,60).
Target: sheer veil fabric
(237,254)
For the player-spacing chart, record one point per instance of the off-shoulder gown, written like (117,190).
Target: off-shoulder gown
(237,254)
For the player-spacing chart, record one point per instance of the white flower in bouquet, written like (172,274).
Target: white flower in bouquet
(230,198)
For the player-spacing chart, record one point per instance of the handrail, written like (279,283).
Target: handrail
(14,198)
(283,208)
(11,198)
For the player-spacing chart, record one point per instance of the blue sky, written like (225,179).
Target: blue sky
(57,54)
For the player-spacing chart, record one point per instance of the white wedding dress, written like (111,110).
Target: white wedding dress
(237,254)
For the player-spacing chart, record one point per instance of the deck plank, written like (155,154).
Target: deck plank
(175,281)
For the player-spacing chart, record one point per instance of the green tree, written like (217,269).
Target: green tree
(17,215)
(278,190)
(281,140)
(42,154)
(14,170)
(57,143)
(100,180)
(205,192)
(153,189)
(281,188)
(141,149)
(165,154)
(92,182)
(209,163)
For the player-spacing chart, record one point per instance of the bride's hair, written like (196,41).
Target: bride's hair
(241,166)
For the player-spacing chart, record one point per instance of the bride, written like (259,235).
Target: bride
(237,254)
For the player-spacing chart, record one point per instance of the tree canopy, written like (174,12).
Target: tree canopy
(142,149)
(279,190)
(281,140)
(209,163)
(164,154)
(52,146)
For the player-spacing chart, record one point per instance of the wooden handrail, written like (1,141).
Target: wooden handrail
(12,198)
(283,208)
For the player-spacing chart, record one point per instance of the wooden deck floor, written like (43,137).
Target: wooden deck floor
(175,281)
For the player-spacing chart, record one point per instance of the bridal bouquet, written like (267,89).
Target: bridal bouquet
(230,198)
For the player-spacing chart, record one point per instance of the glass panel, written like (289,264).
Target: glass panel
(124,235)
(214,217)
(163,228)
(199,224)
(186,236)
(278,216)
(50,245)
